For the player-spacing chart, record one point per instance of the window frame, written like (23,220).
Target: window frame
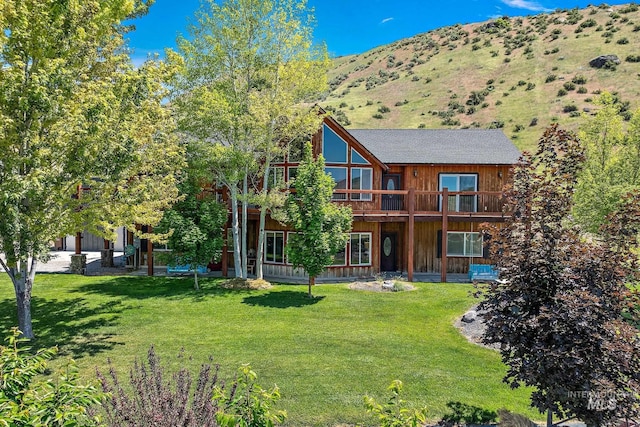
(325,130)
(339,196)
(350,248)
(465,252)
(364,197)
(274,233)
(458,176)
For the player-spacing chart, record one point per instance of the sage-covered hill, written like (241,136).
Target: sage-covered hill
(519,74)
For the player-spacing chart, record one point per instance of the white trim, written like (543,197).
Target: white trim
(465,250)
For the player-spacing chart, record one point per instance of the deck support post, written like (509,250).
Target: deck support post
(149,253)
(412,205)
(445,227)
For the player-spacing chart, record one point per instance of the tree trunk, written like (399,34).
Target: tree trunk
(195,278)
(263,215)
(245,202)
(312,281)
(23,284)
(234,231)
(549,418)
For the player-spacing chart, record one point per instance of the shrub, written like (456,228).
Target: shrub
(569,108)
(550,78)
(569,86)
(496,124)
(369,102)
(562,91)
(151,399)
(530,86)
(579,79)
(464,414)
(633,58)
(518,128)
(533,121)
(378,116)
(343,105)
(393,413)
(522,83)
(623,40)
(27,402)
(582,89)
(384,109)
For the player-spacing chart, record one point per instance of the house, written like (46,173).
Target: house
(396,182)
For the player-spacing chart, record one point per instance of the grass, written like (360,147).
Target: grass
(324,354)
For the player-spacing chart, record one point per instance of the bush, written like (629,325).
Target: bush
(384,109)
(26,402)
(582,89)
(378,116)
(533,121)
(562,92)
(569,108)
(579,79)
(151,399)
(464,414)
(633,58)
(530,86)
(550,78)
(569,86)
(394,413)
(623,40)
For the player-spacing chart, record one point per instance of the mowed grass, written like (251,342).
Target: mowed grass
(324,354)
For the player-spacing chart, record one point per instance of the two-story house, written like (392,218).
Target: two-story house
(418,197)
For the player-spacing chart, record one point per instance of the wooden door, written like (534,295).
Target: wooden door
(388,252)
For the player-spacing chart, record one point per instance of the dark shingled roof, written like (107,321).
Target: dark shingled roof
(441,146)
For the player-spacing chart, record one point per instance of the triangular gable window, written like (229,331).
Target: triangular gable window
(357,159)
(334,148)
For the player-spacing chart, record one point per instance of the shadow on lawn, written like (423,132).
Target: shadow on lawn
(71,324)
(283,299)
(156,287)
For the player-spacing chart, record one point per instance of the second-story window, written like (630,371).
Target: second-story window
(361,179)
(339,175)
(456,183)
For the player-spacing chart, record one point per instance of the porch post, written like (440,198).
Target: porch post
(149,253)
(412,206)
(445,226)
(78,243)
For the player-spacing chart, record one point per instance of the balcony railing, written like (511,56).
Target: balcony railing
(422,202)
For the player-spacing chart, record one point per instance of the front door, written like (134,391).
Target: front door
(388,260)
(391,202)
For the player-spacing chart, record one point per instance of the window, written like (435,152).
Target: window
(360,249)
(274,247)
(464,244)
(361,180)
(340,259)
(357,159)
(276,177)
(339,175)
(460,182)
(334,149)
(292,171)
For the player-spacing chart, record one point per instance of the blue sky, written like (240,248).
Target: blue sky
(349,26)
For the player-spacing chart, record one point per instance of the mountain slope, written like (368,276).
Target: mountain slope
(520,74)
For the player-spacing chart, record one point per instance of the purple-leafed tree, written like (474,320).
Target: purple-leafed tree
(564,312)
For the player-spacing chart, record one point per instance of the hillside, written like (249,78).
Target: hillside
(518,74)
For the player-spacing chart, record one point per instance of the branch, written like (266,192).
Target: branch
(7,270)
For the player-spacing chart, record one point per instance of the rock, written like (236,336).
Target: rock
(387,284)
(470,316)
(602,60)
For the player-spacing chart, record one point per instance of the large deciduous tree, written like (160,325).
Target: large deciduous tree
(194,225)
(249,66)
(85,142)
(561,311)
(321,227)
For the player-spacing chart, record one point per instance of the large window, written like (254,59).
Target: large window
(274,247)
(334,148)
(460,182)
(464,244)
(361,180)
(339,175)
(360,249)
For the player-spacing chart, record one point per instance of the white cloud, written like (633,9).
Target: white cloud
(525,4)
(385,20)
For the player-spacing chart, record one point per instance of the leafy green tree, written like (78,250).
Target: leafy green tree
(562,312)
(321,227)
(604,178)
(194,224)
(24,401)
(249,67)
(85,140)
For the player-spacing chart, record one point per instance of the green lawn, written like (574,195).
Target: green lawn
(325,354)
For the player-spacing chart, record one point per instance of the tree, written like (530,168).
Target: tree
(85,139)
(195,223)
(561,310)
(603,179)
(321,227)
(249,67)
